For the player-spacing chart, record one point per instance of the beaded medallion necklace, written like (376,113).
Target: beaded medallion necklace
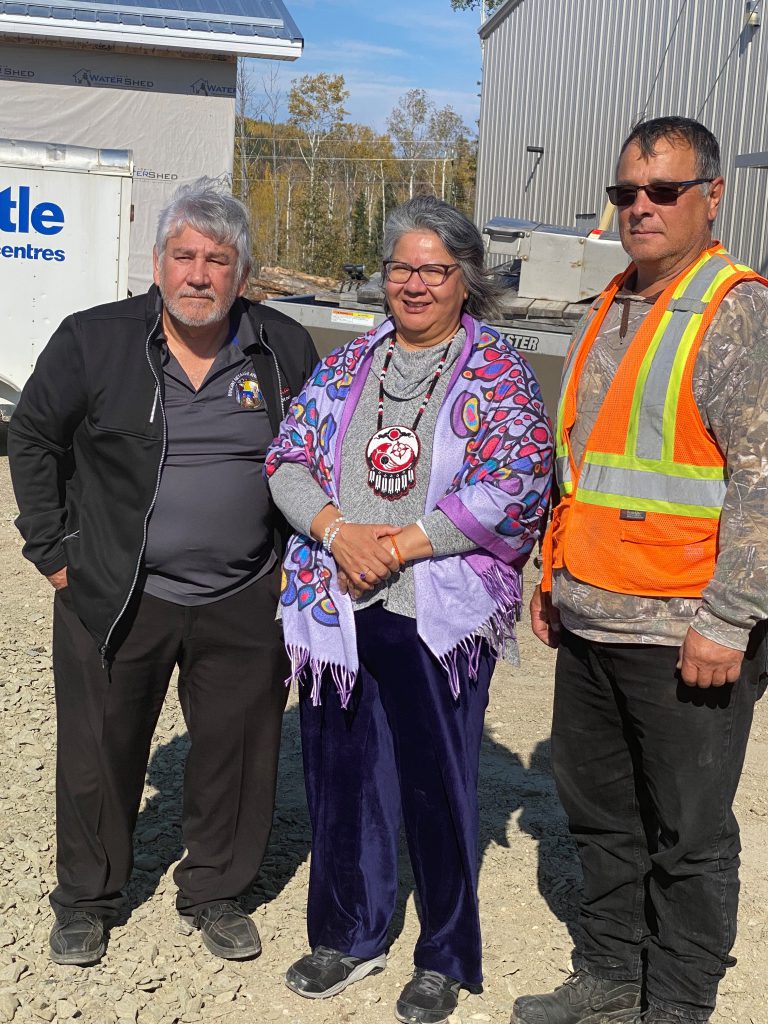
(393,452)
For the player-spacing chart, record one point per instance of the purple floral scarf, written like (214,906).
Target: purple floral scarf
(490,474)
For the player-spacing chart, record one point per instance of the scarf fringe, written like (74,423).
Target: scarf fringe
(498,630)
(505,589)
(343,678)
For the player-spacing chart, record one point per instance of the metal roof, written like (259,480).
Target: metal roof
(254,28)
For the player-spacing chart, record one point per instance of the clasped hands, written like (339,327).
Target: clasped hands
(364,553)
(363,557)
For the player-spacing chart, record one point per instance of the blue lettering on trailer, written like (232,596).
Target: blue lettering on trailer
(16,215)
(19,217)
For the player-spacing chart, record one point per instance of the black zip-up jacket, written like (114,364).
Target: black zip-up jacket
(87,442)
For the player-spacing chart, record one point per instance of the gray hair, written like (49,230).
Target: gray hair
(462,240)
(206,206)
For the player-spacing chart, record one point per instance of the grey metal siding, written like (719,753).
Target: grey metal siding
(574,75)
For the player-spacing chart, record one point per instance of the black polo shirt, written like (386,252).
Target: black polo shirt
(210,533)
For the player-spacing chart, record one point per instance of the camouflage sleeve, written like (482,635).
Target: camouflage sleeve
(731,391)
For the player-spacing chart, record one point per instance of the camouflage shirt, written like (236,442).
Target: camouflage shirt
(730,387)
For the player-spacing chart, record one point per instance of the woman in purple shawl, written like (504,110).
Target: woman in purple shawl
(415,469)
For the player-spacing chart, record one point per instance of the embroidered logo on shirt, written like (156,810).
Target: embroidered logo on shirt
(244,388)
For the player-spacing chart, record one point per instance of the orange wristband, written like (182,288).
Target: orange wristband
(396,550)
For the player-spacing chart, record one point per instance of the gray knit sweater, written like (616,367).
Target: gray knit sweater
(300,499)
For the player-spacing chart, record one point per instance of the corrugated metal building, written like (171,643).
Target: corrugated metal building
(565,80)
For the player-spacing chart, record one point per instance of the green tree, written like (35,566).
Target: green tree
(359,234)
(462,188)
(316,109)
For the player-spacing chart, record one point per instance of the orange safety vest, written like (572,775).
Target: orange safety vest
(640,514)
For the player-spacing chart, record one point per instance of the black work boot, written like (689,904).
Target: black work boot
(77,939)
(227,931)
(583,999)
(428,998)
(653,1015)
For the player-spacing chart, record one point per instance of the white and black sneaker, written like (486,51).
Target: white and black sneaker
(325,972)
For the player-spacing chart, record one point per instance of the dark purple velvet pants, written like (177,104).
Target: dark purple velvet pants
(404,746)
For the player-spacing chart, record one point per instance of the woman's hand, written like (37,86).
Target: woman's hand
(412,543)
(362,554)
(364,548)
(347,586)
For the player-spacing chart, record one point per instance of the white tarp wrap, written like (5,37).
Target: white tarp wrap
(176,115)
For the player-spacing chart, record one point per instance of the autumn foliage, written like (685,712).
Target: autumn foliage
(319,186)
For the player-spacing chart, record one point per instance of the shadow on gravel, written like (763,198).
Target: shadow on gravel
(290,841)
(157,837)
(506,787)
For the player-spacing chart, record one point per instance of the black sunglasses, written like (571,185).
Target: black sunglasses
(663,193)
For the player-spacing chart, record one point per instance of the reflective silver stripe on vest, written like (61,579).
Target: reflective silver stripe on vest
(563,471)
(680,490)
(688,305)
(571,360)
(562,463)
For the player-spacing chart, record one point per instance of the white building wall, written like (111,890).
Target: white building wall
(177,115)
(573,76)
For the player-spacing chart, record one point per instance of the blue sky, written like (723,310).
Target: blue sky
(385,48)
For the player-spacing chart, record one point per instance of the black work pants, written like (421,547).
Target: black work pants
(232,665)
(647,769)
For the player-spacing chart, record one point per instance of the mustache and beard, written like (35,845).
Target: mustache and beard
(208,306)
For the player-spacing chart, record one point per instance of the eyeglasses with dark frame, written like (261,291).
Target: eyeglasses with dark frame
(431,274)
(662,193)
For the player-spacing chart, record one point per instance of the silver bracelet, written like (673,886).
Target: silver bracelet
(327,531)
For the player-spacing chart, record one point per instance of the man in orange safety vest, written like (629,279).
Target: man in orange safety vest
(655,592)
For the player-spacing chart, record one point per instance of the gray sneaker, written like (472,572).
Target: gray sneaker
(77,938)
(325,972)
(583,999)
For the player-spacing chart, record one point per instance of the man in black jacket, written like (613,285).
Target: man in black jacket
(136,453)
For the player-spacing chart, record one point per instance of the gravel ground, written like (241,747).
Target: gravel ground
(529,878)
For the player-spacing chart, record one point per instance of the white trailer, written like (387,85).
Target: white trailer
(65,214)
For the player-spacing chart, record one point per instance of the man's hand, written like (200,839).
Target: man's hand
(59,579)
(545,618)
(705,663)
